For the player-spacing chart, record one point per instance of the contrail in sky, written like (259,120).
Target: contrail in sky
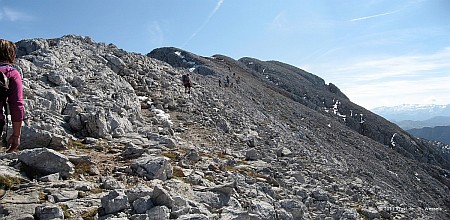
(13,15)
(373,16)
(219,3)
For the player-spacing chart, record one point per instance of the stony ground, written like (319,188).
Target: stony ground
(246,151)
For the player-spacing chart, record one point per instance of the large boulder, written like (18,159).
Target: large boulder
(115,201)
(153,167)
(40,138)
(47,212)
(47,161)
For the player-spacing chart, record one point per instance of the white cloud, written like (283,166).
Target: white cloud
(422,91)
(213,12)
(280,22)
(402,66)
(409,79)
(9,14)
(404,6)
(219,3)
(373,16)
(156,33)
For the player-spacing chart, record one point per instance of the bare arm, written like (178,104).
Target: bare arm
(14,139)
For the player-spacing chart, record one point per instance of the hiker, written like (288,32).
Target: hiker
(186,83)
(220,83)
(12,96)
(228,81)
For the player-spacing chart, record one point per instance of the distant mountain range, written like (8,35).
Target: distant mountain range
(431,122)
(412,112)
(439,133)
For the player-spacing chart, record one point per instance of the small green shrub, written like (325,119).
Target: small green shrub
(66,212)
(89,215)
(96,190)
(82,168)
(42,197)
(172,155)
(7,182)
(77,144)
(178,172)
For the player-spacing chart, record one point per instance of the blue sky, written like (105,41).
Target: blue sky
(378,52)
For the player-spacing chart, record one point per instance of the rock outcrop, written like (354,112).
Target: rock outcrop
(111,135)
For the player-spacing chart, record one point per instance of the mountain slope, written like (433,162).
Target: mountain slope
(276,144)
(328,100)
(333,107)
(438,133)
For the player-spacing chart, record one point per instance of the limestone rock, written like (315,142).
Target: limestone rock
(193,217)
(153,167)
(161,197)
(115,201)
(138,192)
(47,161)
(142,204)
(158,212)
(47,212)
(252,154)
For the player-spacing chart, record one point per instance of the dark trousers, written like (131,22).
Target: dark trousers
(3,139)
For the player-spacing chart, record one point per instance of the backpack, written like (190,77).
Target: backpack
(4,85)
(185,79)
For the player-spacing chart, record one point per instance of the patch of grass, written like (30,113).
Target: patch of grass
(361,213)
(242,162)
(8,182)
(246,171)
(65,210)
(77,144)
(222,155)
(231,168)
(89,215)
(219,154)
(108,147)
(172,155)
(82,169)
(178,172)
(81,194)
(182,179)
(96,190)
(42,197)
(206,154)
(210,178)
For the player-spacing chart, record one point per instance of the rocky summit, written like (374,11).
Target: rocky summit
(111,134)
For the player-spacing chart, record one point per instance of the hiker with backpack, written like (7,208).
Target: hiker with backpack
(186,83)
(11,94)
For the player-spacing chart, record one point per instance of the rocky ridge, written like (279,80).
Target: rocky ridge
(111,135)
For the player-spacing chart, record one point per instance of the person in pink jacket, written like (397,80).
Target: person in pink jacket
(14,94)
